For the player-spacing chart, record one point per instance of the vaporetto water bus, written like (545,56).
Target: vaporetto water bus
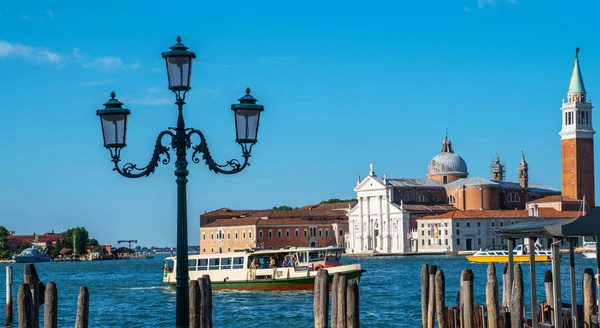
(284,269)
(520,254)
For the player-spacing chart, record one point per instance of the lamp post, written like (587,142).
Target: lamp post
(113,118)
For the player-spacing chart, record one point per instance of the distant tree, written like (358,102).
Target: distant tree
(6,254)
(92,242)
(76,239)
(337,200)
(3,234)
(282,208)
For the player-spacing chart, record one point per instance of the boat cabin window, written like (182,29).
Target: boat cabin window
(315,256)
(203,264)
(238,262)
(302,257)
(192,265)
(333,255)
(213,264)
(226,263)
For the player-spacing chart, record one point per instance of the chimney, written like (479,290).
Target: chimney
(533,210)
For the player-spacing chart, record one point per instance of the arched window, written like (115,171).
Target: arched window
(270,234)
(421,199)
(244,234)
(406,198)
(326,232)
(279,233)
(260,235)
(320,232)
(250,234)
(305,234)
(212,236)
(220,249)
(451,199)
(297,233)
(229,235)
(236,235)
(287,233)
(204,236)
(513,197)
(436,198)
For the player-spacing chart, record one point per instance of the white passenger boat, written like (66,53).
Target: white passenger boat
(31,255)
(284,269)
(520,254)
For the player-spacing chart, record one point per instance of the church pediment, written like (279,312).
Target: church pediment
(370,183)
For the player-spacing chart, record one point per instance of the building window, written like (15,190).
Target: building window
(204,236)
(444,179)
(428,232)
(236,235)
(320,232)
(250,234)
(220,235)
(243,234)
(479,224)
(492,223)
(457,225)
(270,234)
(212,236)
(422,225)
(406,198)
(297,233)
(451,199)
(457,232)
(422,232)
(279,233)
(204,250)
(212,250)
(446,242)
(341,232)
(305,234)
(436,198)
(513,197)
(493,241)
(220,250)
(421,199)
(287,233)
(228,250)
(429,242)
(502,224)
(423,242)
(478,241)
(260,235)
(468,224)
(229,235)
(457,241)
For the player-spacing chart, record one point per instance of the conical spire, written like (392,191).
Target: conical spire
(576,85)
(447,145)
(523,163)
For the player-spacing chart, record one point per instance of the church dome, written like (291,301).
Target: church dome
(447,164)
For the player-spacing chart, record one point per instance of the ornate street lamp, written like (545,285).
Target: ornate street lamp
(113,118)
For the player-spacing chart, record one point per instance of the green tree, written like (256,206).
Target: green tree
(3,234)
(337,200)
(75,238)
(92,242)
(282,208)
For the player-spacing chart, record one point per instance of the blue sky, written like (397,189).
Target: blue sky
(343,84)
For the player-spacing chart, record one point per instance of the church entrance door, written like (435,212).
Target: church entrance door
(469,244)
(375,238)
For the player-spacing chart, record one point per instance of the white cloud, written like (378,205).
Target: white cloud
(25,17)
(8,49)
(483,3)
(50,14)
(105,63)
(467,9)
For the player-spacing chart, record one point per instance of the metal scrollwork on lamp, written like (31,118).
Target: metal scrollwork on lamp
(113,119)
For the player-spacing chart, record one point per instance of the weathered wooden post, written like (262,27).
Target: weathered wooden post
(9,295)
(194,304)
(517,298)
(205,301)
(491,297)
(352,305)
(589,297)
(431,305)
(334,300)
(83,308)
(51,306)
(25,306)
(549,293)
(31,277)
(321,299)
(440,299)
(466,297)
(424,293)
(505,287)
(341,302)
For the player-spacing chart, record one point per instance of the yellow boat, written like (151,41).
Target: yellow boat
(518,255)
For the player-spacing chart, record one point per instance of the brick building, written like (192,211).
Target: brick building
(43,241)
(227,230)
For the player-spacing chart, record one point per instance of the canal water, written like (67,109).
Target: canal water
(130,293)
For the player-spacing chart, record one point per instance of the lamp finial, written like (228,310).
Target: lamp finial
(112,95)
(247,91)
(178,39)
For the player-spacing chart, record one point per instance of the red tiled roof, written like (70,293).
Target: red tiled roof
(555,198)
(330,206)
(231,222)
(31,238)
(294,221)
(548,213)
(429,208)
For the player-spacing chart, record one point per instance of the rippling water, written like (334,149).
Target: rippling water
(130,293)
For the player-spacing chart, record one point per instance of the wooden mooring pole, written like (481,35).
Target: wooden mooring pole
(51,306)
(194,304)
(424,293)
(466,297)
(83,308)
(25,306)
(31,278)
(9,295)
(491,297)
(589,297)
(440,298)
(549,293)
(334,300)
(431,304)
(505,286)
(205,286)
(321,299)
(341,305)
(352,305)
(517,298)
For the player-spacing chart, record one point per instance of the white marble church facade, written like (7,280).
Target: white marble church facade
(376,224)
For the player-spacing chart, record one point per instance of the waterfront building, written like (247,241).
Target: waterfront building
(385,217)
(227,230)
(44,241)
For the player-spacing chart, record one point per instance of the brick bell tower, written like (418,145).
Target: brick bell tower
(577,138)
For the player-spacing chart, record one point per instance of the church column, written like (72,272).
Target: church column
(381,227)
(367,227)
(360,236)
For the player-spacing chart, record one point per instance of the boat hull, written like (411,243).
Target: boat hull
(504,259)
(31,259)
(590,255)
